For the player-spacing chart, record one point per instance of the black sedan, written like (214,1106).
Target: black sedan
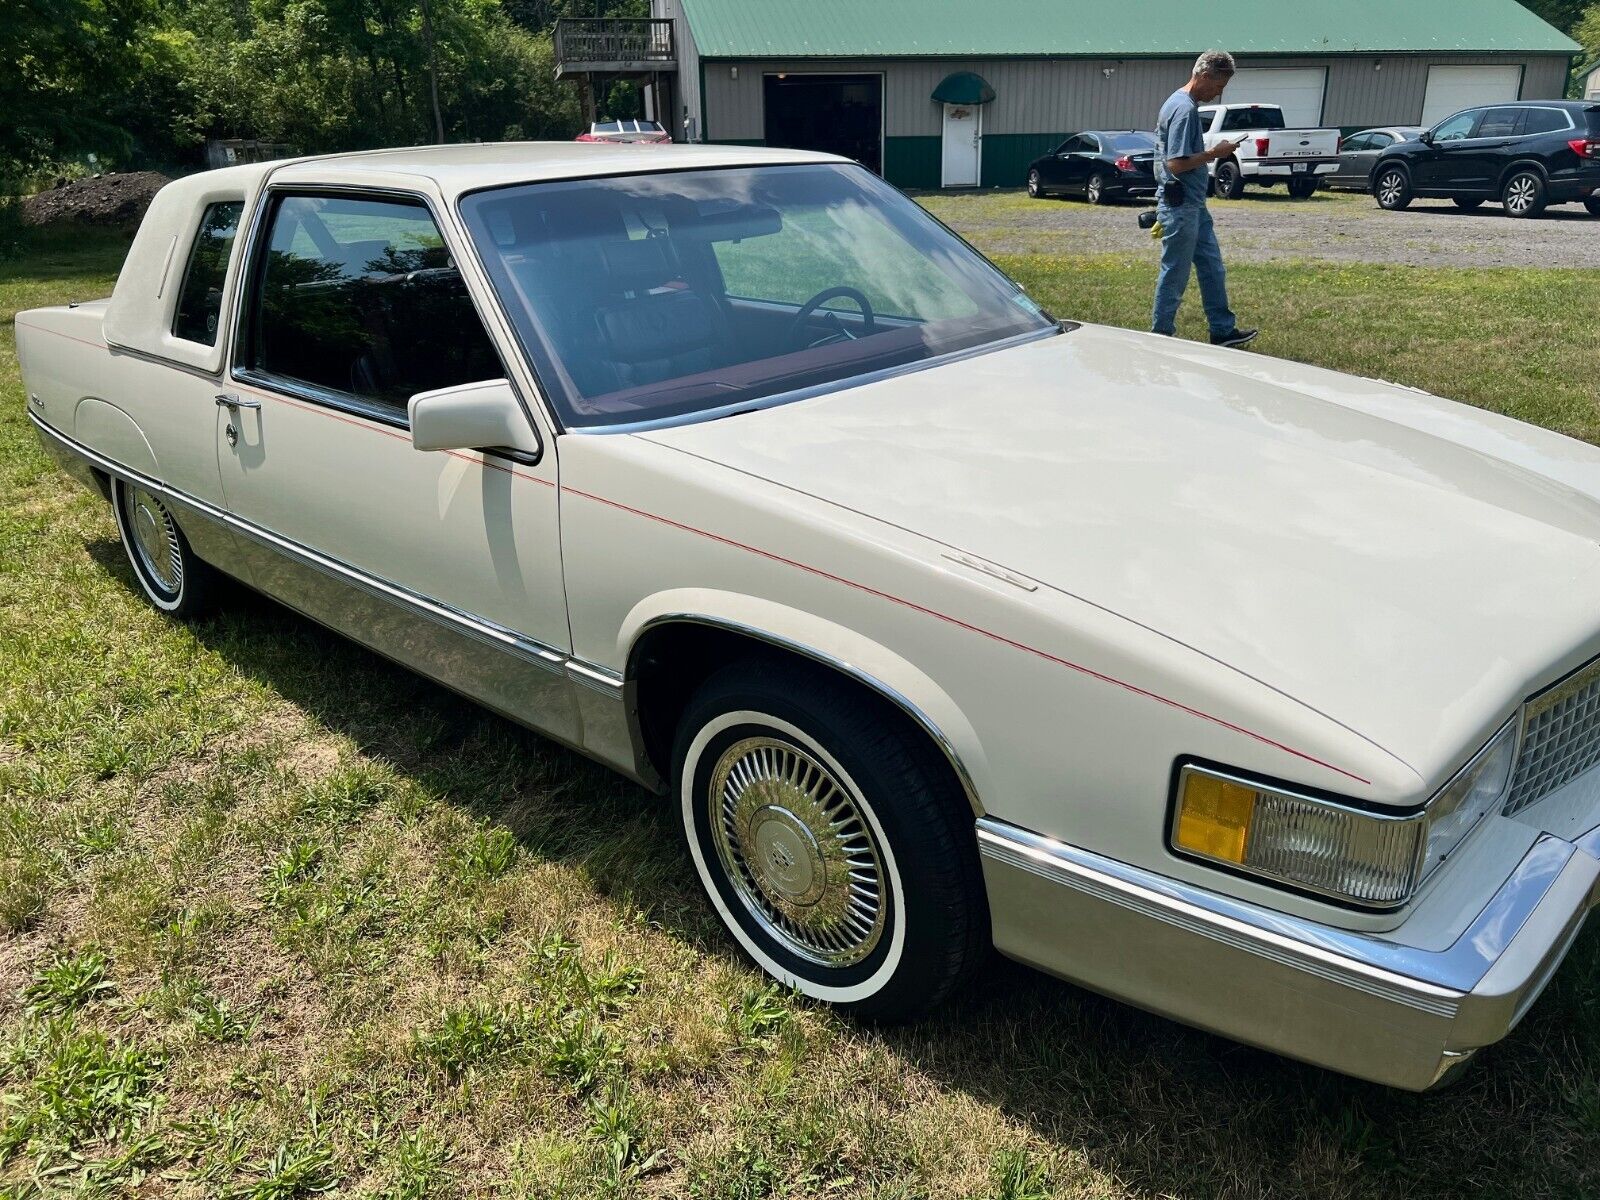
(1099,165)
(1358,154)
(1526,155)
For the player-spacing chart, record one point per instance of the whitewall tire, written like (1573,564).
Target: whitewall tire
(170,575)
(832,841)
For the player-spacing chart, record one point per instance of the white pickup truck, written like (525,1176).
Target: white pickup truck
(1271,153)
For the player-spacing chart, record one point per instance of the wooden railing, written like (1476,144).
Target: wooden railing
(613,40)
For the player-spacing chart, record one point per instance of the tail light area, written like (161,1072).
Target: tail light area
(1588,147)
(1124,163)
(1262,147)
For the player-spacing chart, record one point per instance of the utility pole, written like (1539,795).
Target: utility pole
(433,72)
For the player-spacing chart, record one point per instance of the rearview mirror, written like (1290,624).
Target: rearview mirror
(1426,137)
(471,416)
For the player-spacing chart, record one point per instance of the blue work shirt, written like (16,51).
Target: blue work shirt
(1179,134)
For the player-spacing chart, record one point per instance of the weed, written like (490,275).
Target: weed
(68,983)
(303,1167)
(85,1087)
(215,1019)
(1018,1177)
(470,1035)
(762,1011)
(487,854)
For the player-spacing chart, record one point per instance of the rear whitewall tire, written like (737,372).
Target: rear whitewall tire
(170,575)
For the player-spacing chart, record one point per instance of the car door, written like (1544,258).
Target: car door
(447,561)
(1446,162)
(1061,169)
(1359,154)
(1085,158)
(1496,137)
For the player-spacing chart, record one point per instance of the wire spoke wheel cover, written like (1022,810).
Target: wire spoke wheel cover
(798,851)
(155,540)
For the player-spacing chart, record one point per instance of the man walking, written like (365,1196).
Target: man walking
(1188,240)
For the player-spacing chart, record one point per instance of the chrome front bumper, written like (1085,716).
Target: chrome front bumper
(1360,1004)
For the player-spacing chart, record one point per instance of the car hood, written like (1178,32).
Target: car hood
(1406,566)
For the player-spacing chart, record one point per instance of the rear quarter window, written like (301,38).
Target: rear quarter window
(200,301)
(1544,120)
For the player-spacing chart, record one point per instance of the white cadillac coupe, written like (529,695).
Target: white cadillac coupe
(1257,695)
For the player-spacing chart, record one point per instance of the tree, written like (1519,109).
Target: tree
(1587,31)
(1563,14)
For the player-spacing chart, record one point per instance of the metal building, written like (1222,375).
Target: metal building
(944,93)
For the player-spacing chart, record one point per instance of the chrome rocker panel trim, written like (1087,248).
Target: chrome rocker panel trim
(1360,1004)
(561,697)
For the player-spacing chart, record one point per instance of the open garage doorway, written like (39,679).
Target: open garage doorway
(838,114)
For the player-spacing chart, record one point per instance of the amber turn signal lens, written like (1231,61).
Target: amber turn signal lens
(1214,818)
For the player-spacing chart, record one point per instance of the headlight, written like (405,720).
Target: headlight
(1368,858)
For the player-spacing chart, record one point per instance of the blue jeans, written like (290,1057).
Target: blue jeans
(1188,240)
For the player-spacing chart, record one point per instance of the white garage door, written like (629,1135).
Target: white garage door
(1450,89)
(1297,90)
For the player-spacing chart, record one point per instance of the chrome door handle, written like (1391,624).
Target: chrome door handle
(229,400)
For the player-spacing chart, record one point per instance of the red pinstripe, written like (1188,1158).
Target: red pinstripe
(970,628)
(800,566)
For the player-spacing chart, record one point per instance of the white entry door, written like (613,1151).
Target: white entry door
(1450,89)
(963,138)
(1296,90)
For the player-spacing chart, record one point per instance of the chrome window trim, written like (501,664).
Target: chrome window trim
(1430,980)
(848,669)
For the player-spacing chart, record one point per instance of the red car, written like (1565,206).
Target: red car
(625,131)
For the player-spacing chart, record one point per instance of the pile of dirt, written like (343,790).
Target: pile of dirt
(111,199)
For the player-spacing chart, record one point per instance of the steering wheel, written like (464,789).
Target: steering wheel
(797,327)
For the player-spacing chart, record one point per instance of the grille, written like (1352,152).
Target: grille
(1560,738)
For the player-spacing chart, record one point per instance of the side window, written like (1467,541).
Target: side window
(1544,120)
(1071,146)
(1361,141)
(1501,122)
(1091,144)
(361,297)
(1457,127)
(1380,140)
(200,299)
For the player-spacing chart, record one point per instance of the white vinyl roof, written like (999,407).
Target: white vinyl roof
(458,169)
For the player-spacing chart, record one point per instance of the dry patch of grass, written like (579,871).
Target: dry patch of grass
(281,920)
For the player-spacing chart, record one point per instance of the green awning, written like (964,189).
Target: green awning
(963,87)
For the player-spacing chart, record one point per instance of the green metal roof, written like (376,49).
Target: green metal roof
(1111,28)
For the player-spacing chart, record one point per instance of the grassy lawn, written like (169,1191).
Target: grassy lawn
(278,919)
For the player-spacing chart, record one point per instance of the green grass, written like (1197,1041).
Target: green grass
(282,920)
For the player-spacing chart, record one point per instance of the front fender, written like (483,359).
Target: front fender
(889,674)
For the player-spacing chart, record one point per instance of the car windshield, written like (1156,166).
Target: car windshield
(1129,143)
(642,297)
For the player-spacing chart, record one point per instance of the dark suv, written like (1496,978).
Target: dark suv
(1526,155)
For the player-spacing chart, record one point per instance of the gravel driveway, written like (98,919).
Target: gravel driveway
(1267,226)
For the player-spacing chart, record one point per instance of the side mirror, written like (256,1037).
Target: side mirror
(1426,137)
(471,416)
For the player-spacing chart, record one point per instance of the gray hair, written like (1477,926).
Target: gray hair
(1214,62)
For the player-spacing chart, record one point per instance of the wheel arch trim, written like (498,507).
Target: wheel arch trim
(880,670)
